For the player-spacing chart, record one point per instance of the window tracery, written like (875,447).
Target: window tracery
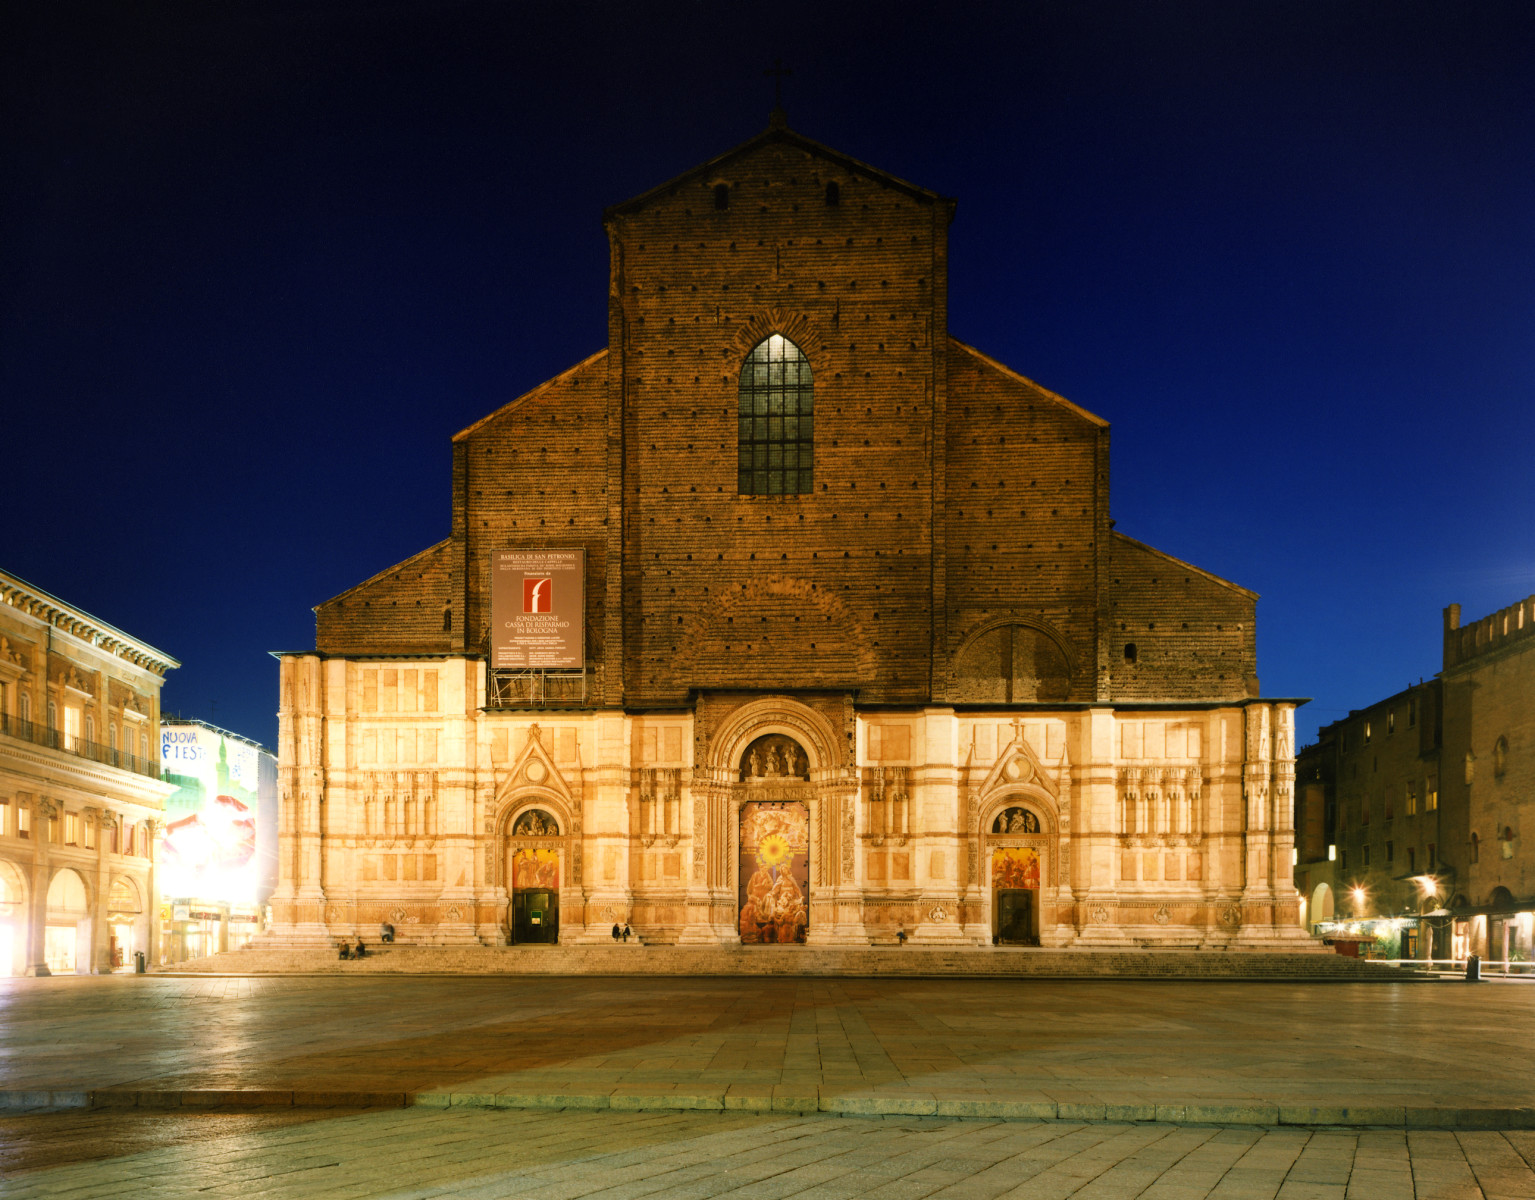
(777,420)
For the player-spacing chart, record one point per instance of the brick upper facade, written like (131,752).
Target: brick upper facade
(957,546)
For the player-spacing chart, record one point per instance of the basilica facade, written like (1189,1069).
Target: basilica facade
(786,617)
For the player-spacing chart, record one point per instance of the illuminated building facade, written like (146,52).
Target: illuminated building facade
(1409,813)
(81,800)
(832,638)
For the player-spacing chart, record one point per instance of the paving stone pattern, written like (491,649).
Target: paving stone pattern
(689,1156)
(1418,1055)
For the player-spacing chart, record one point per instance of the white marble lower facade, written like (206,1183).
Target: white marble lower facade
(405,802)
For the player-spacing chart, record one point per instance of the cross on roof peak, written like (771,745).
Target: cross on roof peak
(778,73)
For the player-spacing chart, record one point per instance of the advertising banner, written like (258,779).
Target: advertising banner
(538,609)
(216,818)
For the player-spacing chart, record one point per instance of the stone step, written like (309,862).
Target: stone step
(1007,962)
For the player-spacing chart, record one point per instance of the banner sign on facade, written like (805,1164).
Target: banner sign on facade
(220,839)
(538,609)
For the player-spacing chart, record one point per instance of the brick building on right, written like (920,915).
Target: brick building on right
(1410,813)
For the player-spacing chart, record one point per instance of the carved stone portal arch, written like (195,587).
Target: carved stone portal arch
(810,730)
(824,782)
(1043,839)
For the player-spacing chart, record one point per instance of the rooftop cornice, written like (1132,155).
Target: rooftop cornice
(45,607)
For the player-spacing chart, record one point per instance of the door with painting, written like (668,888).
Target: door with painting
(1015,880)
(533,878)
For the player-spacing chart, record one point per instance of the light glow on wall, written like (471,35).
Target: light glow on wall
(208,850)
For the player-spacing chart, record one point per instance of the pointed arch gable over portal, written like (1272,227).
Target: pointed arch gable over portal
(534,781)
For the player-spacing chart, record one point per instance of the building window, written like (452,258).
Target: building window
(777,420)
(24,706)
(1476,848)
(1499,757)
(1390,806)
(1366,855)
(1412,801)
(1368,729)
(1431,796)
(721,197)
(1131,653)
(1431,857)
(833,195)
(1390,852)
(71,829)
(1343,860)
(1391,721)
(23,821)
(1412,860)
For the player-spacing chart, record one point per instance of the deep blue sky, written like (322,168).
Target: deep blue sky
(259,262)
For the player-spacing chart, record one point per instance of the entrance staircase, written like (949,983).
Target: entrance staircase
(631,959)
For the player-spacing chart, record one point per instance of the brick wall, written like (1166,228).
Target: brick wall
(1027,501)
(826,589)
(532,475)
(404,610)
(956,544)
(1194,634)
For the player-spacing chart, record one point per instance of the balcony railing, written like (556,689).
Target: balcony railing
(56,739)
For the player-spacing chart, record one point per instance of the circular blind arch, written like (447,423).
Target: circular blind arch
(777,420)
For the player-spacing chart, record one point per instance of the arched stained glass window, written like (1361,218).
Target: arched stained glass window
(777,414)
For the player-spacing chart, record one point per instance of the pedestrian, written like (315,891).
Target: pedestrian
(617,932)
(626,932)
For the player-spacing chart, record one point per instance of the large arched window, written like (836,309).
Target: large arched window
(777,420)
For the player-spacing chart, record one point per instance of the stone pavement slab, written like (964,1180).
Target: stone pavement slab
(414,1154)
(1259,1054)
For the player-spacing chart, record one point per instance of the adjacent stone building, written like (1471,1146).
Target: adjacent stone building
(857,651)
(81,801)
(1409,812)
(1489,776)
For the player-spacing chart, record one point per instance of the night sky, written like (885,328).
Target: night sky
(259,262)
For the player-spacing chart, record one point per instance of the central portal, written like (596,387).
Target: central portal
(774,871)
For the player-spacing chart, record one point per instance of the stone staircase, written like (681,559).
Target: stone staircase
(987,961)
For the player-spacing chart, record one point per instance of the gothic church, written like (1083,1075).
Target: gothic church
(856,653)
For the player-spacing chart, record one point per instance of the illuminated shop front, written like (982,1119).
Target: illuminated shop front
(218,853)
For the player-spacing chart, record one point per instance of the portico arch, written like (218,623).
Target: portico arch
(13,920)
(1321,905)
(67,924)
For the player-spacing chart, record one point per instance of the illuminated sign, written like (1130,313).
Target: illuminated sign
(216,817)
(538,609)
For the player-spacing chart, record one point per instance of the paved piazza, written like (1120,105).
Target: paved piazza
(689,1156)
(1444,1054)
